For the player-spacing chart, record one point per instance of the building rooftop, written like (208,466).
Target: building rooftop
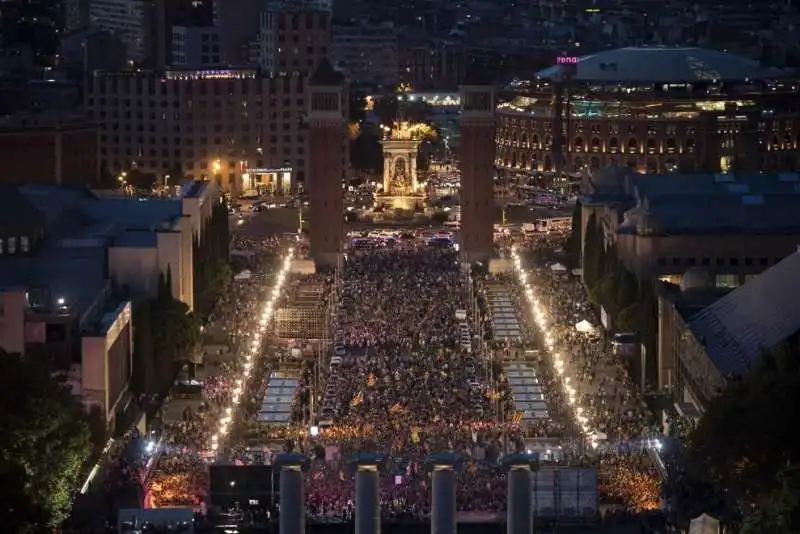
(75,272)
(661,64)
(752,319)
(754,203)
(326,75)
(16,210)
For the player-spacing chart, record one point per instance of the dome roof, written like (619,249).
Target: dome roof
(695,278)
(662,64)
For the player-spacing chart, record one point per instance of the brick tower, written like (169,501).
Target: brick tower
(326,133)
(477,167)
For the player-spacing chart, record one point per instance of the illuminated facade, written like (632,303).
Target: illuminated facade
(210,124)
(655,110)
(400,146)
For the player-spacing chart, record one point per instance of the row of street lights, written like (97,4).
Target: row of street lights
(542,318)
(253,350)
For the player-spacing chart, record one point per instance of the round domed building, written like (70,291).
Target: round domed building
(653,109)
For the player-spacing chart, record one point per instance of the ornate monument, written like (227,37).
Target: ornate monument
(400,147)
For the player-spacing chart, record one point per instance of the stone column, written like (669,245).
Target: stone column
(443,468)
(387,171)
(292,498)
(520,468)
(368,506)
(412,164)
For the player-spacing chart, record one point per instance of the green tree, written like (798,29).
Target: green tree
(779,511)
(366,153)
(144,365)
(574,242)
(593,254)
(742,442)
(44,444)
(212,270)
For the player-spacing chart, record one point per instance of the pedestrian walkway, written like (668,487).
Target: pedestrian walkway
(527,392)
(503,316)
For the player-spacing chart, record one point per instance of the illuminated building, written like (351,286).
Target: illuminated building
(70,263)
(653,109)
(212,124)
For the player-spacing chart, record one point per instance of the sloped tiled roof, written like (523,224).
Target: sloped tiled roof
(754,318)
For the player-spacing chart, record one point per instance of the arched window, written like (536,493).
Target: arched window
(595,144)
(577,144)
(523,139)
(788,143)
(689,144)
(613,145)
(535,142)
(652,145)
(775,144)
(548,142)
(671,145)
(633,145)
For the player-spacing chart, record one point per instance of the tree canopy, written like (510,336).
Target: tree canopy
(746,444)
(45,441)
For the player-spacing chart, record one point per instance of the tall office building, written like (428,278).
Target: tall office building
(295,35)
(132,21)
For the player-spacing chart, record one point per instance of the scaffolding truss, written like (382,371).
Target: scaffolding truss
(306,316)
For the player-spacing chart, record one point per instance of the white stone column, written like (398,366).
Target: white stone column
(443,502)
(519,514)
(292,498)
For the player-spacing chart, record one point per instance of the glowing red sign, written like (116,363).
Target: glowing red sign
(567,60)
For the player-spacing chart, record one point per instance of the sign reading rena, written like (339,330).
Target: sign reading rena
(566,60)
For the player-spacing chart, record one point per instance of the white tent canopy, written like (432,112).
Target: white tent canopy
(244,275)
(585,327)
(558,268)
(704,524)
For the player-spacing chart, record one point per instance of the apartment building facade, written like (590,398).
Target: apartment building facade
(238,127)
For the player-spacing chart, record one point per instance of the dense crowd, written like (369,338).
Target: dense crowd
(408,387)
(180,476)
(614,405)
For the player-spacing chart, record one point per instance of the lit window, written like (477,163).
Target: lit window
(12,245)
(24,244)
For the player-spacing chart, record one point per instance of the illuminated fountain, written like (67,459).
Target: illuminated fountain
(401,142)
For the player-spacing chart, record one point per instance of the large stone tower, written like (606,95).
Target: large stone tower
(477,167)
(326,97)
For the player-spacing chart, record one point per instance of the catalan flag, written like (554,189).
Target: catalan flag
(517,417)
(357,399)
(371,380)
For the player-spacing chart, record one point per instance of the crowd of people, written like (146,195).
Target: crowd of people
(180,475)
(407,387)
